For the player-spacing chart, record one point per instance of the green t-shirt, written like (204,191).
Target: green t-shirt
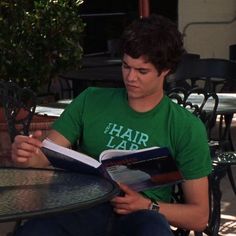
(100,118)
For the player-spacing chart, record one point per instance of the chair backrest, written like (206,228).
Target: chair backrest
(201,103)
(173,80)
(19,105)
(215,74)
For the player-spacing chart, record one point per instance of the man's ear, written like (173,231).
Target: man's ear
(164,73)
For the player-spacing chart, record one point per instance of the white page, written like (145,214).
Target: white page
(108,154)
(71,153)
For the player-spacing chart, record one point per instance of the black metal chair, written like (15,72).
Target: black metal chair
(182,97)
(65,88)
(186,62)
(213,75)
(19,105)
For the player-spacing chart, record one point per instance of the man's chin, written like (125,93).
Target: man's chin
(134,95)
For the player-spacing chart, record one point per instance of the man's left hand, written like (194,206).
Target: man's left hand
(130,202)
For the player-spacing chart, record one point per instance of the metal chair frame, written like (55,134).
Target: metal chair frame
(213,72)
(181,96)
(19,105)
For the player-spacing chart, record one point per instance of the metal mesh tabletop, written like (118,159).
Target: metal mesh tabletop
(27,193)
(227,103)
(225,158)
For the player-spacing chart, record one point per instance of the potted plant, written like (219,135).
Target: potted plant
(38,40)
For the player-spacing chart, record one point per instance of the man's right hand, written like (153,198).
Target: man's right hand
(26,151)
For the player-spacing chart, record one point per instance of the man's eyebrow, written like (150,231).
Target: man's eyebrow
(143,68)
(136,68)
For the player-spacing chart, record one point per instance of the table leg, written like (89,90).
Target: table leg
(225,133)
(215,195)
(227,136)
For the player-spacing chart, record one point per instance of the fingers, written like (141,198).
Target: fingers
(25,147)
(130,202)
(24,150)
(121,211)
(36,134)
(126,193)
(125,188)
(122,204)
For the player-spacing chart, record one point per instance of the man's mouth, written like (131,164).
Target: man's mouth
(132,86)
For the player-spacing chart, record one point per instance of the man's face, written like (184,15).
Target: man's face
(141,78)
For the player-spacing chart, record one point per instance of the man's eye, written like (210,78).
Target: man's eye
(143,72)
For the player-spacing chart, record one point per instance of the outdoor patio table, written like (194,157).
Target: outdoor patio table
(226,108)
(103,76)
(27,193)
(100,61)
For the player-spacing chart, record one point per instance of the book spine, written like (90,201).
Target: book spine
(103,171)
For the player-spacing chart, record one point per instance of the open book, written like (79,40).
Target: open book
(140,169)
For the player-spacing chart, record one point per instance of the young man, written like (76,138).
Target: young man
(136,117)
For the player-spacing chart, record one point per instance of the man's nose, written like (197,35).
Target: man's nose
(132,75)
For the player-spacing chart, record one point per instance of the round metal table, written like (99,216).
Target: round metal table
(27,193)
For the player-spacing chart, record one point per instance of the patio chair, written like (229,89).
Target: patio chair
(173,81)
(205,101)
(199,108)
(213,75)
(19,105)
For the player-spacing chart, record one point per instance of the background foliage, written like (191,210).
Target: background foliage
(39,39)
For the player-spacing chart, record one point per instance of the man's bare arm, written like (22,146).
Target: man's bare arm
(195,212)
(26,149)
(191,215)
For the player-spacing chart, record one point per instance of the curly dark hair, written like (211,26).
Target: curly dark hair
(157,39)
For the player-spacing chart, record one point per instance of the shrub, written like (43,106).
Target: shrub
(39,39)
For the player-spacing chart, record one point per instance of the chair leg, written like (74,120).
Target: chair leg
(231,178)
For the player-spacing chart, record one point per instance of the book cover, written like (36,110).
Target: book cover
(68,159)
(140,169)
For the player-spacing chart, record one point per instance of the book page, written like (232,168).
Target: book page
(143,169)
(69,153)
(110,153)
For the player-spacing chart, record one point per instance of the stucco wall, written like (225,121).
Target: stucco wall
(209,26)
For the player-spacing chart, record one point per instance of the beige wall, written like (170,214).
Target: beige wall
(209,26)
